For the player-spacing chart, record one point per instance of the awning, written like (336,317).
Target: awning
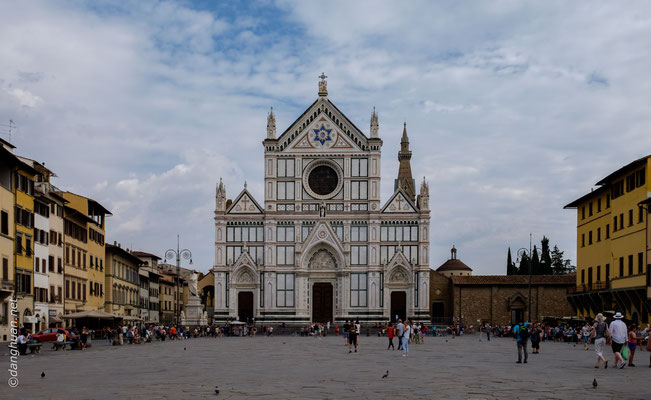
(128,318)
(90,314)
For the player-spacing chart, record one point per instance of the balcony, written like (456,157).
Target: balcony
(589,287)
(7,286)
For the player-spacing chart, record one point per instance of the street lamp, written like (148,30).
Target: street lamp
(521,253)
(170,254)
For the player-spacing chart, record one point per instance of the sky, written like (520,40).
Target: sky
(513,109)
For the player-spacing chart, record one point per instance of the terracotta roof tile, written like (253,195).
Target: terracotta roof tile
(453,265)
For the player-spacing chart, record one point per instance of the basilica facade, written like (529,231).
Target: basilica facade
(322,245)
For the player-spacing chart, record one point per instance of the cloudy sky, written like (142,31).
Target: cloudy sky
(513,109)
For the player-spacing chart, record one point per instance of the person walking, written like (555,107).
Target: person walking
(600,333)
(391,334)
(521,333)
(585,332)
(536,334)
(405,338)
(346,332)
(352,338)
(488,331)
(632,343)
(400,328)
(618,333)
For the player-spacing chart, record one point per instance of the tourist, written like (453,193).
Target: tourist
(22,342)
(600,332)
(405,338)
(346,332)
(632,343)
(401,331)
(647,333)
(521,333)
(536,334)
(390,335)
(488,332)
(84,337)
(618,333)
(352,338)
(585,331)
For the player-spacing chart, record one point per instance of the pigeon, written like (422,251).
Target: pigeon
(385,375)
(594,382)
(574,345)
(42,374)
(184,348)
(216,389)
(446,340)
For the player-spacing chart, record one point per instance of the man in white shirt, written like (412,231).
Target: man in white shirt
(618,332)
(401,329)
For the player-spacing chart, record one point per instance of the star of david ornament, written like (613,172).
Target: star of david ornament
(322,134)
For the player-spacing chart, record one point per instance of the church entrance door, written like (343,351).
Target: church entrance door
(322,302)
(245,306)
(398,305)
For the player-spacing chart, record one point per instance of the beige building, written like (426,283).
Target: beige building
(8,163)
(167,284)
(122,282)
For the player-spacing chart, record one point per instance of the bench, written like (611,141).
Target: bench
(34,347)
(62,345)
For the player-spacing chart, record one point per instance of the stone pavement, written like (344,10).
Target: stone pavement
(311,368)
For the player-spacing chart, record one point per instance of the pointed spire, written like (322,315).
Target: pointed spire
(405,180)
(244,185)
(453,252)
(271,124)
(220,198)
(374,124)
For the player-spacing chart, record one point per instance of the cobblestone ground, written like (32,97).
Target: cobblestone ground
(300,367)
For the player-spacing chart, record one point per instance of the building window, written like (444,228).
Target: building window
(4,222)
(607,273)
(285,290)
(245,233)
(5,269)
(286,168)
(416,285)
(284,255)
(630,217)
(607,202)
(582,212)
(257,254)
(403,233)
(630,264)
(387,252)
(285,190)
(285,233)
(359,233)
(615,223)
(599,204)
(583,240)
(359,190)
(359,167)
(621,266)
(262,290)
(338,228)
(640,217)
(358,255)
(381,289)
(358,290)
(598,234)
(621,221)
(590,209)
(640,263)
(598,273)
(583,277)
(590,237)
(590,275)
(232,254)
(607,231)
(305,231)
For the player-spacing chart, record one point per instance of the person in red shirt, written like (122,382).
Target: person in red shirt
(173,333)
(391,334)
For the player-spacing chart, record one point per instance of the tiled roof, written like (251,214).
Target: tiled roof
(453,265)
(144,254)
(567,279)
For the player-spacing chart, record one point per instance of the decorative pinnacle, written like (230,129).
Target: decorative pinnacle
(323,85)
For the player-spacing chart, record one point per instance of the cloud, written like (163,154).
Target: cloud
(513,110)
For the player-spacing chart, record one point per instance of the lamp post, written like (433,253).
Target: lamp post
(170,254)
(522,252)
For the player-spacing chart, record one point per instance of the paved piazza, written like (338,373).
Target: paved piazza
(310,368)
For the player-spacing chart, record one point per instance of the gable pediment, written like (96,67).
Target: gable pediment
(245,204)
(322,127)
(322,233)
(399,203)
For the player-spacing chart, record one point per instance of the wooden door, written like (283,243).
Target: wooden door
(322,302)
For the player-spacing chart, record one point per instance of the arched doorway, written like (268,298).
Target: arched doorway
(322,302)
(245,306)
(398,305)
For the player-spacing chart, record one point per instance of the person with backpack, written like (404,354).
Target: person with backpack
(522,334)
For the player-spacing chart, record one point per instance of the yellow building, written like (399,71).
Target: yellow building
(122,282)
(612,245)
(167,294)
(84,231)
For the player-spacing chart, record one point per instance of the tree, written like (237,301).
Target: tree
(523,269)
(545,260)
(511,269)
(558,264)
(535,262)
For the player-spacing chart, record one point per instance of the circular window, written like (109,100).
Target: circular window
(323,180)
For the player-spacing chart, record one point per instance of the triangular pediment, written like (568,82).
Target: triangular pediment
(245,204)
(322,233)
(244,261)
(399,203)
(322,127)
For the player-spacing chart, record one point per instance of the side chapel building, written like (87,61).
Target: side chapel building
(323,246)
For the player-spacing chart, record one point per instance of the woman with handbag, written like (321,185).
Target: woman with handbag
(601,335)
